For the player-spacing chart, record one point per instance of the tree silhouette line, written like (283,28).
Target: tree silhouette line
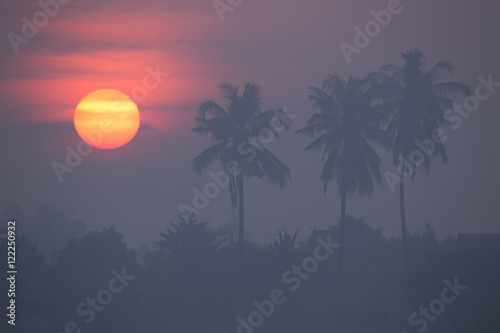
(186,283)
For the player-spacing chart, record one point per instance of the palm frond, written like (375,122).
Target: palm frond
(450,88)
(275,171)
(208,156)
(314,129)
(211,108)
(229,91)
(323,102)
(434,73)
(273,119)
(317,144)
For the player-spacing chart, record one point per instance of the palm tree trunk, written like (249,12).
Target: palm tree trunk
(341,241)
(240,241)
(240,219)
(404,238)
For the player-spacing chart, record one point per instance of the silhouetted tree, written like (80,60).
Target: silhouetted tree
(285,249)
(85,266)
(422,243)
(414,105)
(182,271)
(186,240)
(49,228)
(239,129)
(343,131)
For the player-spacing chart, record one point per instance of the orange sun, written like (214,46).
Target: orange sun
(107,119)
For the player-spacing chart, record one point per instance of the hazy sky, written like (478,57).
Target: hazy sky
(284,46)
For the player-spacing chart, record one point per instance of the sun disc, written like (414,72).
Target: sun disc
(107,119)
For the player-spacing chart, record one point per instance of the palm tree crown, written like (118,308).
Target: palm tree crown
(414,104)
(237,129)
(343,127)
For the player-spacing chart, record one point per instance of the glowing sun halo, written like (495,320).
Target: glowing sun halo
(107,119)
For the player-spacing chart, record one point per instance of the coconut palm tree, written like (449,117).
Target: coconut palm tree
(342,129)
(413,106)
(240,129)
